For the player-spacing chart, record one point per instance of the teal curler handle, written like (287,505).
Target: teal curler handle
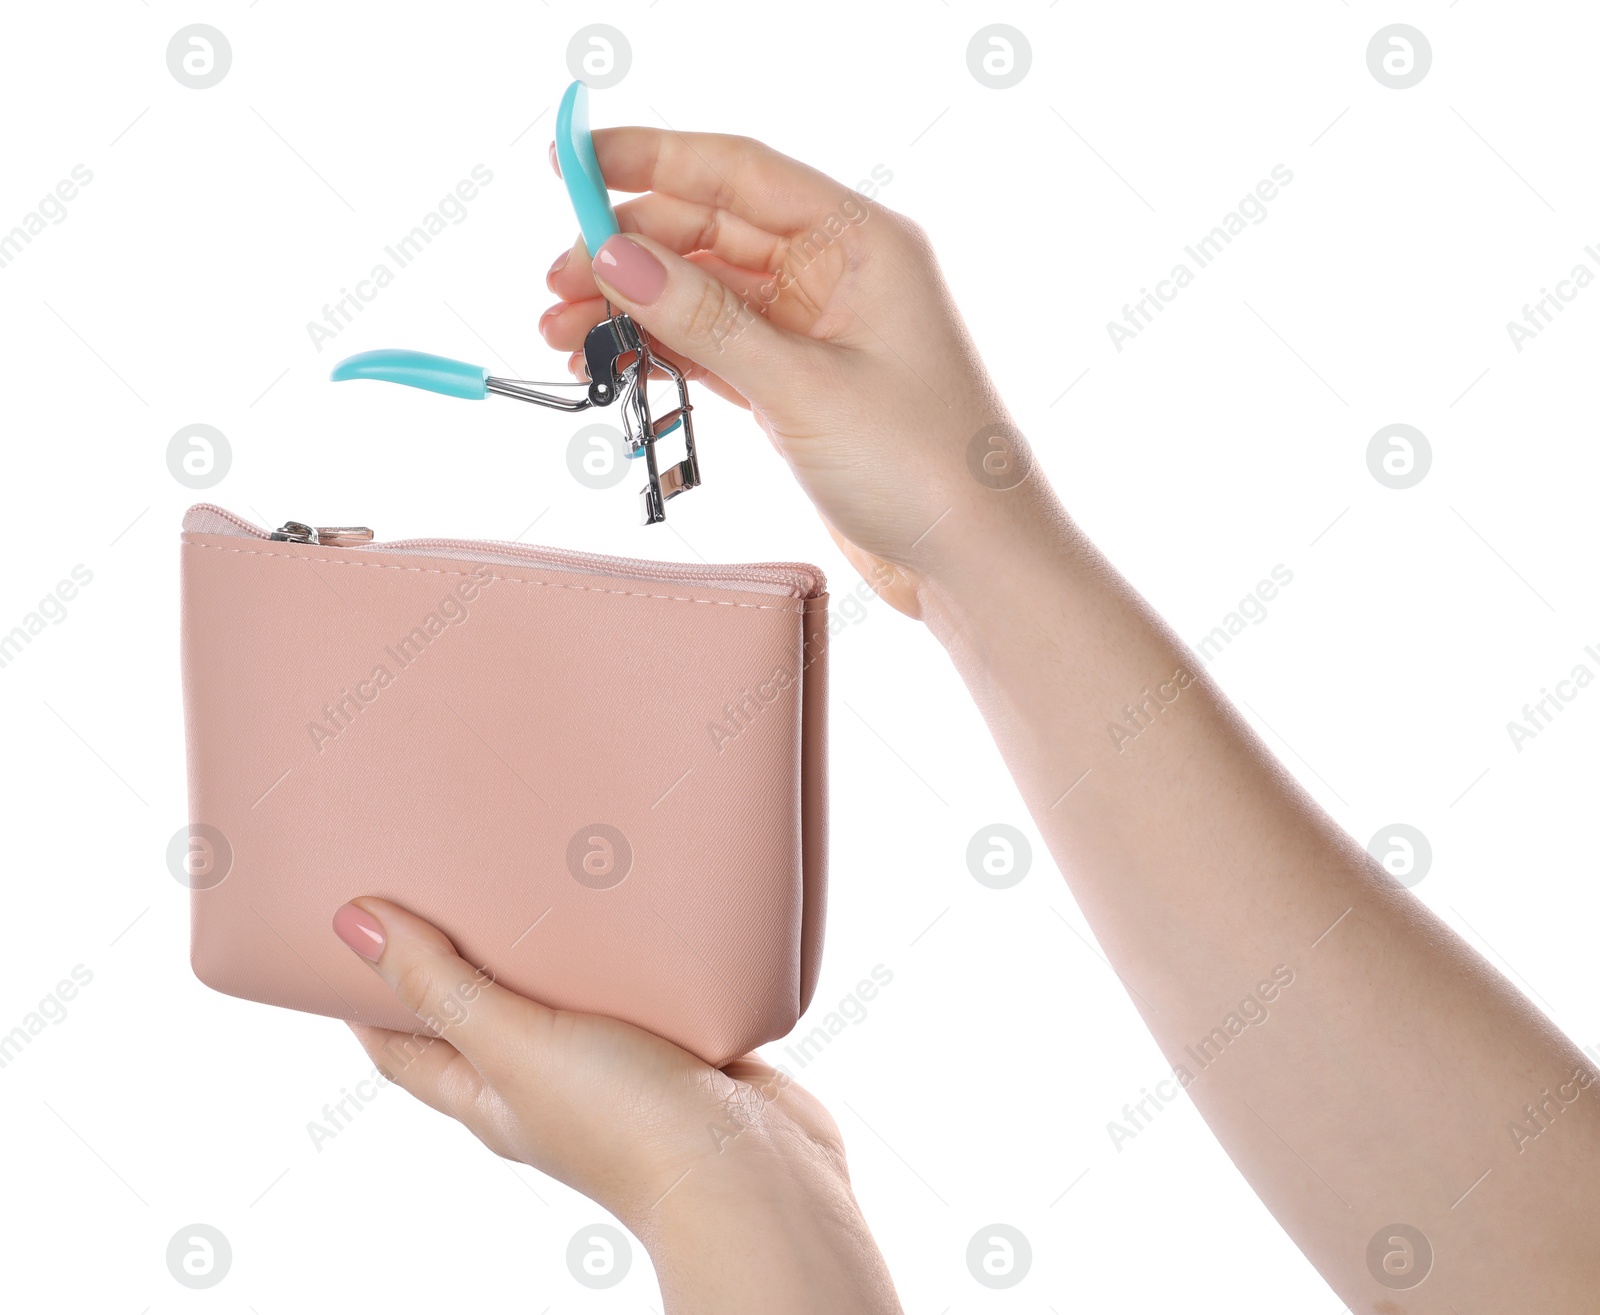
(436,374)
(580,170)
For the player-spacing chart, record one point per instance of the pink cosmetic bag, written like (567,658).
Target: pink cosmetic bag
(603,779)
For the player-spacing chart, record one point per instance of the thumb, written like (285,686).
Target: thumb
(498,1031)
(698,316)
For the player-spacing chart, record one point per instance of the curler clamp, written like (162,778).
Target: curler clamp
(616,352)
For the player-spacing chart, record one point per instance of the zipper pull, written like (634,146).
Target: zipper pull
(330,536)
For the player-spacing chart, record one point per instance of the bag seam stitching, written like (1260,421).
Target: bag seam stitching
(509,579)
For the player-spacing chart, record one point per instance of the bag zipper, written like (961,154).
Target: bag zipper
(803,580)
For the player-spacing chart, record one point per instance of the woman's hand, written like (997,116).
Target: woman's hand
(822,312)
(685,1155)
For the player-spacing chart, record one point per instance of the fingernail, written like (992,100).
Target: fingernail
(360,931)
(554,163)
(560,264)
(550,315)
(630,269)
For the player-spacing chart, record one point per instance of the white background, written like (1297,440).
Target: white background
(1226,439)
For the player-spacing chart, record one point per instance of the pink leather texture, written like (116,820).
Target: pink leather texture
(490,743)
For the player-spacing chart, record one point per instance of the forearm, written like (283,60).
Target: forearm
(1389,1056)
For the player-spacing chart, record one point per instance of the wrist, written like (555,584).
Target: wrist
(995,547)
(756,1214)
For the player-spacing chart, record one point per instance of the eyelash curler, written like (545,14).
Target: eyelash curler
(616,352)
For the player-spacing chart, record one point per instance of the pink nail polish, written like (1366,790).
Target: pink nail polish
(360,931)
(630,269)
(560,264)
(550,315)
(554,163)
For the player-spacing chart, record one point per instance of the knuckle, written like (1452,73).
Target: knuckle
(710,229)
(743,151)
(415,987)
(712,316)
(910,234)
(750,149)
(400,1053)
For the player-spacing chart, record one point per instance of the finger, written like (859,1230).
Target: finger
(566,324)
(496,1029)
(691,371)
(757,287)
(738,174)
(431,1069)
(753,1069)
(684,226)
(694,313)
